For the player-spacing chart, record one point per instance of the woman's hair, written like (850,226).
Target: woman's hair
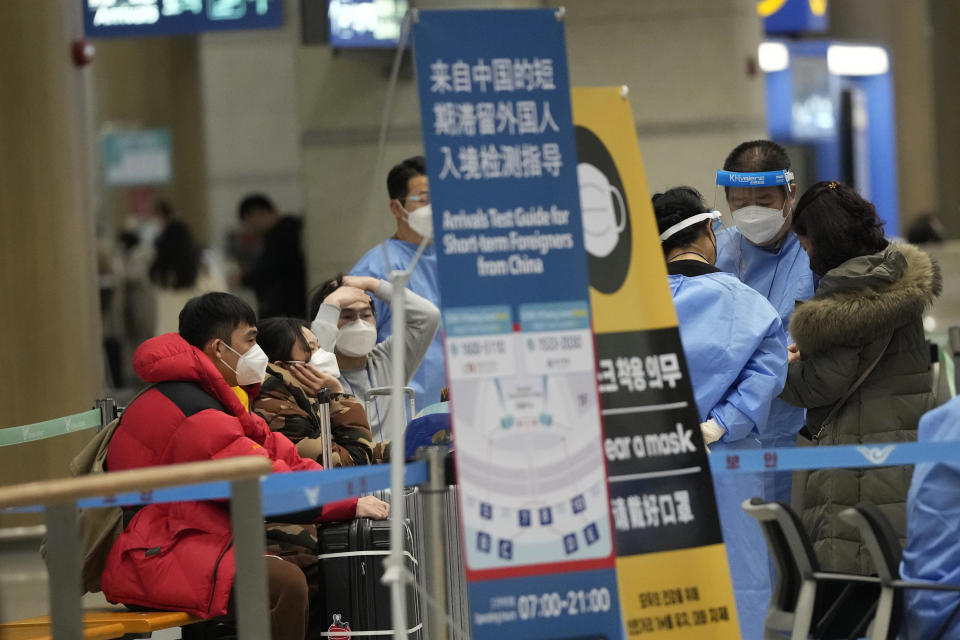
(276,336)
(673,207)
(839,225)
(177,261)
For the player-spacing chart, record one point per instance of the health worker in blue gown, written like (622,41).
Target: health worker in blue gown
(736,352)
(932,553)
(409,193)
(758,188)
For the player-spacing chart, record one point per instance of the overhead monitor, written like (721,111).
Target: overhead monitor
(357,24)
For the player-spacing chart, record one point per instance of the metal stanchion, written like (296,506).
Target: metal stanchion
(108,411)
(434,564)
(250,589)
(63,560)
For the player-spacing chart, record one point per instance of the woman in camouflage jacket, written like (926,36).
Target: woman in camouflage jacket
(288,399)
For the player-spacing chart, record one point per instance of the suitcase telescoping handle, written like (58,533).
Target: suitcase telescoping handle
(325,437)
(373,392)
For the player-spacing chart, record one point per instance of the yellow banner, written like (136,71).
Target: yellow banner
(671,562)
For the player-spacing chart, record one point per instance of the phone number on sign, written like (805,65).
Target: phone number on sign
(553,605)
(559,343)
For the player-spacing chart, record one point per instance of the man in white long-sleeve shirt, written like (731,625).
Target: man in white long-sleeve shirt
(344,323)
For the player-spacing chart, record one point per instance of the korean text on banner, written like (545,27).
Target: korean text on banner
(671,562)
(501,159)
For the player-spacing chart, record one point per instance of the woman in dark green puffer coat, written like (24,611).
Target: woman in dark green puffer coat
(867,311)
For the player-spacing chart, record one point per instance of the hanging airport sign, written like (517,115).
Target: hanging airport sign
(671,562)
(132,157)
(502,164)
(105,18)
(793,16)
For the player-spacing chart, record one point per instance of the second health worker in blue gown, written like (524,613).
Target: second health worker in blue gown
(736,352)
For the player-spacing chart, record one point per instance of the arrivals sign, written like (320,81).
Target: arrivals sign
(502,164)
(104,18)
(671,561)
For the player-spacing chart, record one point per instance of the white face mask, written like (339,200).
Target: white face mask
(251,367)
(421,221)
(601,229)
(759,224)
(325,362)
(357,338)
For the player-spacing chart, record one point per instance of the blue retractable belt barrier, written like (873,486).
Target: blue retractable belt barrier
(833,457)
(282,492)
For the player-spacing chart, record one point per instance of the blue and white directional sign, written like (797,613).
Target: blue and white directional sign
(502,164)
(104,18)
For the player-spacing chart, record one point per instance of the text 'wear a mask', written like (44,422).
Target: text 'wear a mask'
(759,225)
(356,339)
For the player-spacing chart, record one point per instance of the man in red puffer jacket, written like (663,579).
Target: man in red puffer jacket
(179,556)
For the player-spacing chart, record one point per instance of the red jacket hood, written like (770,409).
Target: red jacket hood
(170,357)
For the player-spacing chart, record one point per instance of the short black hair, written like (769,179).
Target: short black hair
(214,315)
(399,176)
(320,294)
(839,224)
(673,206)
(276,336)
(757,155)
(254,202)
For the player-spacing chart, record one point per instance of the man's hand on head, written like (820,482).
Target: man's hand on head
(346,295)
(367,283)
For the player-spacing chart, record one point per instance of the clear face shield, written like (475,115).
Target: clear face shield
(759,203)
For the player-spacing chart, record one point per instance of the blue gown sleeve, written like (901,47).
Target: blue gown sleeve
(746,405)
(933,538)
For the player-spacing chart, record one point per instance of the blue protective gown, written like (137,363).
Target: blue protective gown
(933,531)
(429,379)
(782,277)
(736,352)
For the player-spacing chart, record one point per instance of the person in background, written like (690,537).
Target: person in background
(191,414)
(288,399)
(860,365)
(409,204)
(763,253)
(178,270)
(926,228)
(344,322)
(933,533)
(278,278)
(736,352)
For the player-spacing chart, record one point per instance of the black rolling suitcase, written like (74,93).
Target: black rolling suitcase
(352,596)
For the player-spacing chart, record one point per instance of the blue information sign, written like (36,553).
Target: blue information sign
(105,18)
(502,164)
